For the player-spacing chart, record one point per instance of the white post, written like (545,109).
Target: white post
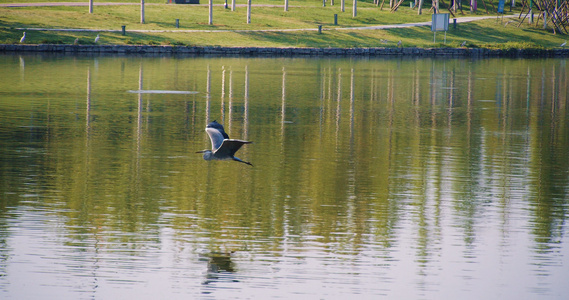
(343,5)
(355,9)
(248,11)
(232,5)
(210,12)
(286,5)
(90,6)
(142,11)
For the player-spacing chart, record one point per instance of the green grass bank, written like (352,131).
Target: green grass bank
(230,29)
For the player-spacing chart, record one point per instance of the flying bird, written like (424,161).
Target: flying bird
(223,148)
(23,38)
(97,39)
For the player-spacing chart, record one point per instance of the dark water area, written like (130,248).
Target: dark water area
(377,178)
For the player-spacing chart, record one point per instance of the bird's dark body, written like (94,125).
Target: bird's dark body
(219,127)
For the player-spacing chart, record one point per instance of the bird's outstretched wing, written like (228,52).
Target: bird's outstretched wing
(216,138)
(229,147)
(216,134)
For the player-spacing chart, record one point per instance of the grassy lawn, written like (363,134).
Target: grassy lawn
(302,14)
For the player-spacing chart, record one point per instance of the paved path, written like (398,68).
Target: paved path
(63,4)
(375,27)
(114,3)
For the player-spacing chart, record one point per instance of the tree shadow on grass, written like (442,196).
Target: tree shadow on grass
(482,35)
(326,39)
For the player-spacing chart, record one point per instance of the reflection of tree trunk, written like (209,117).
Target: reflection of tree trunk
(417,87)
(223,95)
(451,99)
(352,99)
(88,112)
(469,108)
(283,109)
(208,96)
(554,97)
(246,105)
(338,104)
(283,102)
(139,111)
(136,184)
(230,108)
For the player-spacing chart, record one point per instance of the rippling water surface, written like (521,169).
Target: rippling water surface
(375,178)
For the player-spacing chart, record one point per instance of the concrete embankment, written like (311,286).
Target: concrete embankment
(275,51)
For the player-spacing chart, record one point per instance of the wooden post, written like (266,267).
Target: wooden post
(90,6)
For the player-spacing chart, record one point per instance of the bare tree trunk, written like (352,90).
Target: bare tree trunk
(142,11)
(355,9)
(420,7)
(210,12)
(248,11)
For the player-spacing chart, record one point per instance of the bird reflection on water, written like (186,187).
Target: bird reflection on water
(223,148)
(219,268)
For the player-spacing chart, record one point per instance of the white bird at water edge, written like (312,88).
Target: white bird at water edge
(23,38)
(563,45)
(97,39)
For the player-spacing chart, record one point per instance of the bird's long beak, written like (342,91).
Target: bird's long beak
(201,151)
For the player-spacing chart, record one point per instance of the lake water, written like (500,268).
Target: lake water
(376,178)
